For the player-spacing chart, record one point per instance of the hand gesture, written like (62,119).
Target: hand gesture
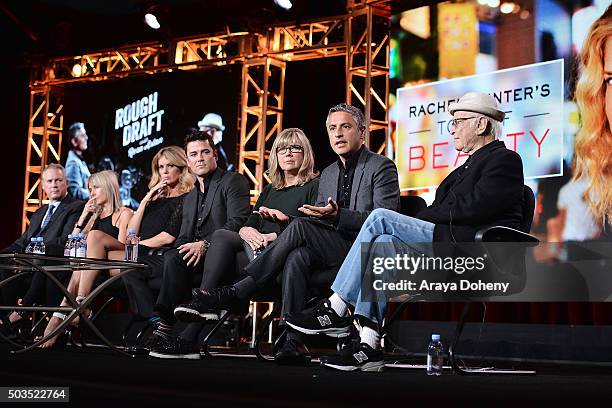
(329,211)
(273,215)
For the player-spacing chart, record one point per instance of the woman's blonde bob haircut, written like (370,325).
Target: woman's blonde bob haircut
(288,137)
(108,181)
(176,157)
(594,140)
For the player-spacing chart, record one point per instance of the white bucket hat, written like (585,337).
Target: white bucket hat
(212,120)
(478,102)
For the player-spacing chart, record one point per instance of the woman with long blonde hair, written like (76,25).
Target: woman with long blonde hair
(170,181)
(594,99)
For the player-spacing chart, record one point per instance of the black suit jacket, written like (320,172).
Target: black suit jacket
(227,206)
(486,190)
(375,185)
(55,235)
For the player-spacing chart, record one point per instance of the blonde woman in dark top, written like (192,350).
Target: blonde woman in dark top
(293,182)
(170,181)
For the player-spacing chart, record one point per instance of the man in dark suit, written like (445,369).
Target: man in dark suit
(350,188)
(486,190)
(53,222)
(220,199)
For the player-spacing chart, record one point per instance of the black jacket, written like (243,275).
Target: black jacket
(486,190)
(227,206)
(55,235)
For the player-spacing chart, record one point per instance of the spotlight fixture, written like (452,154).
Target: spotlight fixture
(77,70)
(152,16)
(284,4)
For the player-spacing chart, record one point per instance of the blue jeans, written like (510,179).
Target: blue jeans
(382,225)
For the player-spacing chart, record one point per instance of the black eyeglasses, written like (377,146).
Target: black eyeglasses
(293,149)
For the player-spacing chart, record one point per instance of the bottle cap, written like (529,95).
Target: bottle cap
(435,337)
(34,239)
(40,239)
(132,231)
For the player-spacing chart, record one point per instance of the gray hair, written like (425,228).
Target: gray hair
(355,112)
(54,166)
(74,128)
(496,128)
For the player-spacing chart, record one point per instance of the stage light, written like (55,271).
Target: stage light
(152,21)
(77,70)
(493,3)
(507,7)
(284,4)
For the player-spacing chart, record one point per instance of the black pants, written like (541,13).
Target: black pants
(305,253)
(143,285)
(33,289)
(225,259)
(177,282)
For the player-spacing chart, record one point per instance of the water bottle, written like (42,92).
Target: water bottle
(435,356)
(69,242)
(39,246)
(131,246)
(30,248)
(81,246)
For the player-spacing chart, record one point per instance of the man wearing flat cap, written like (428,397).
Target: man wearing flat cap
(486,190)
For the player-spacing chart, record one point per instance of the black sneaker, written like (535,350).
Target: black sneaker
(194,311)
(152,341)
(356,356)
(321,320)
(207,304)
(175,347)
(292,353)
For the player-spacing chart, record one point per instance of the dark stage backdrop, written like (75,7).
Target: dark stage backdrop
(129,120)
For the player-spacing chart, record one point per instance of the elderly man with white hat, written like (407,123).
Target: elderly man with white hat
(213,124)
(486,190)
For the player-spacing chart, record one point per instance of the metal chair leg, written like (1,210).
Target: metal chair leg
(474,371)
(217,326)
(262,333)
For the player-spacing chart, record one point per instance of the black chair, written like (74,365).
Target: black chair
(500,234)
(486,235)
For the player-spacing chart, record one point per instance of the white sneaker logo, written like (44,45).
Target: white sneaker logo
(324,320)
(360,357)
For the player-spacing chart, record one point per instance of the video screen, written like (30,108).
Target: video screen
(525,55)
(128,121)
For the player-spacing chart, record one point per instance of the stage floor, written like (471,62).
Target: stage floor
(99,377)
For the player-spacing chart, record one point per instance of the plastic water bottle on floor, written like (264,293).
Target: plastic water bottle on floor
(131,246)
(81,246)
(435,356)
(30,248)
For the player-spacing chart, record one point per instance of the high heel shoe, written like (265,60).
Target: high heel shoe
(16,330)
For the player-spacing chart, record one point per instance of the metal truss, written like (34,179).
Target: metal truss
(97,66)
(261,108)
(367,67)
(44,143)
(362,36)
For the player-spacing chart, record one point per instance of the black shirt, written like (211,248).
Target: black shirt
(202,195)
(345,179)
(157,216)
